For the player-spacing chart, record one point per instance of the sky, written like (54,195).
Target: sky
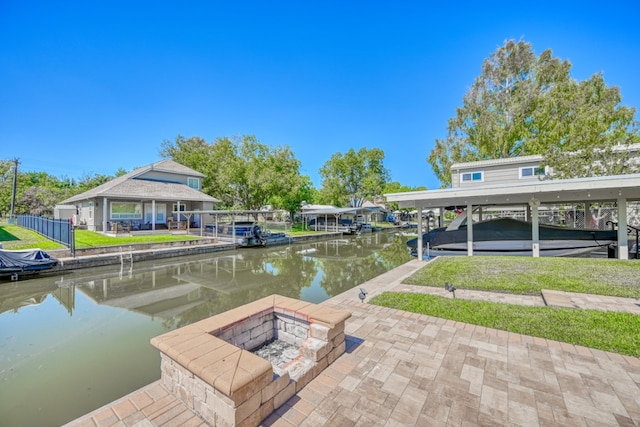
(90,87)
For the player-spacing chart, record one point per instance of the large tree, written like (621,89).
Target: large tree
(396,187)
(241,172)
(351,178)
(300,190)
(38,193)
(525,104)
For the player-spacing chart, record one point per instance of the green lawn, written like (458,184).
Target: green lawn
(608,331)
(526,275)
(296,230)
(611,331)
(14,237)
(90,239)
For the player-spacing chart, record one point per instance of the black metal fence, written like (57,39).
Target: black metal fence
(58,230)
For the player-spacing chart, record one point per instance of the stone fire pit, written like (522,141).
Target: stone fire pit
(209,365)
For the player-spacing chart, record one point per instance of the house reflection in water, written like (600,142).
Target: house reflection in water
(14,296)
(93,326)
(189,290)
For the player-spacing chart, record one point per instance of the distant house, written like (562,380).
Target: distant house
(145,198)
(497,171)
(519,170)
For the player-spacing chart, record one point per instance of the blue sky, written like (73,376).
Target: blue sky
(89,87)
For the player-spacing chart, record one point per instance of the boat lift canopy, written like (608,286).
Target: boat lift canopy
(616,188)
(217,213)
(336,212)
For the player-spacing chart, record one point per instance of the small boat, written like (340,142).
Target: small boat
(248,234)
(261,237)
(359,228)
(25,261)
(508,236)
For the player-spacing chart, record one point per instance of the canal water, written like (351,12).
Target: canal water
(72,343)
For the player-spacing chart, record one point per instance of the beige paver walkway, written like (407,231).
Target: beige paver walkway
(404,369)
(595,302)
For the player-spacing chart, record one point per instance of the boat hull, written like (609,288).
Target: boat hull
(506,236)
(247,234)
(265,239)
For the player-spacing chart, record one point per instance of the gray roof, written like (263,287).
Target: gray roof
(496,162)
(130,186)
(166,166)
(337,211)
(596,189)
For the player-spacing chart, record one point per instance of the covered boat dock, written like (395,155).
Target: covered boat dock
(620,189)
(335,214)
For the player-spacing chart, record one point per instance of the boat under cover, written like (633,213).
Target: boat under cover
(27,260)
(248,234)
(508,236)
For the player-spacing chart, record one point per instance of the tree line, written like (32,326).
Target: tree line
(241,172)
(520,104)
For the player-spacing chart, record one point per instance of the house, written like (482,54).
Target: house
(498,171)
(519,187)
(146,198)
(523,169)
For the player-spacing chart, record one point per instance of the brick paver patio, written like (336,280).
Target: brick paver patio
(404,369)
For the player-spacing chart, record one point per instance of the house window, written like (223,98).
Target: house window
(472,176)
(531,171)
(126,211)
(193,183)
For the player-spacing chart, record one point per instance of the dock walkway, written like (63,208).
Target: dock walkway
(405,369)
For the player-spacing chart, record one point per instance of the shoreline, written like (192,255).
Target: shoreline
(113,255)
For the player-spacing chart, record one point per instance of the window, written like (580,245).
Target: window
(183,207)
(531,171)
(193,183)
(472,177)
(124,210)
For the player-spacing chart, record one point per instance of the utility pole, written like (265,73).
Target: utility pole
(13,193)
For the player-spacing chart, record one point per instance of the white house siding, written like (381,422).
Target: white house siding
(492,174)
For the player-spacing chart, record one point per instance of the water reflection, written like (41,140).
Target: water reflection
(69,344)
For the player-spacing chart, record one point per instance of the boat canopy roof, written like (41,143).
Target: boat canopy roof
(339,211)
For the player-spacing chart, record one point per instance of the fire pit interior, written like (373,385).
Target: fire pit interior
(237,367)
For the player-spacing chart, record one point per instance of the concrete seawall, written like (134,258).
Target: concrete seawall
(112,255)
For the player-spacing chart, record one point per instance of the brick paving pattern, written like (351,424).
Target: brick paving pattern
(405,369)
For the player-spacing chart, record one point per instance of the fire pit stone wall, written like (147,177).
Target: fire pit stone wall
(210,367)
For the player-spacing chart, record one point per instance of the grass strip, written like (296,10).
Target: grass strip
(14,238)
(609,331)
(528,275)
(89,239)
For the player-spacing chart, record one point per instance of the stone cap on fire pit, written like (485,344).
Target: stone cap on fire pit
(230,369)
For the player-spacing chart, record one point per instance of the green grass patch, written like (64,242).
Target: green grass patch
(89,239)
(14,238)
(527,275)
(297,230)
(609,331)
